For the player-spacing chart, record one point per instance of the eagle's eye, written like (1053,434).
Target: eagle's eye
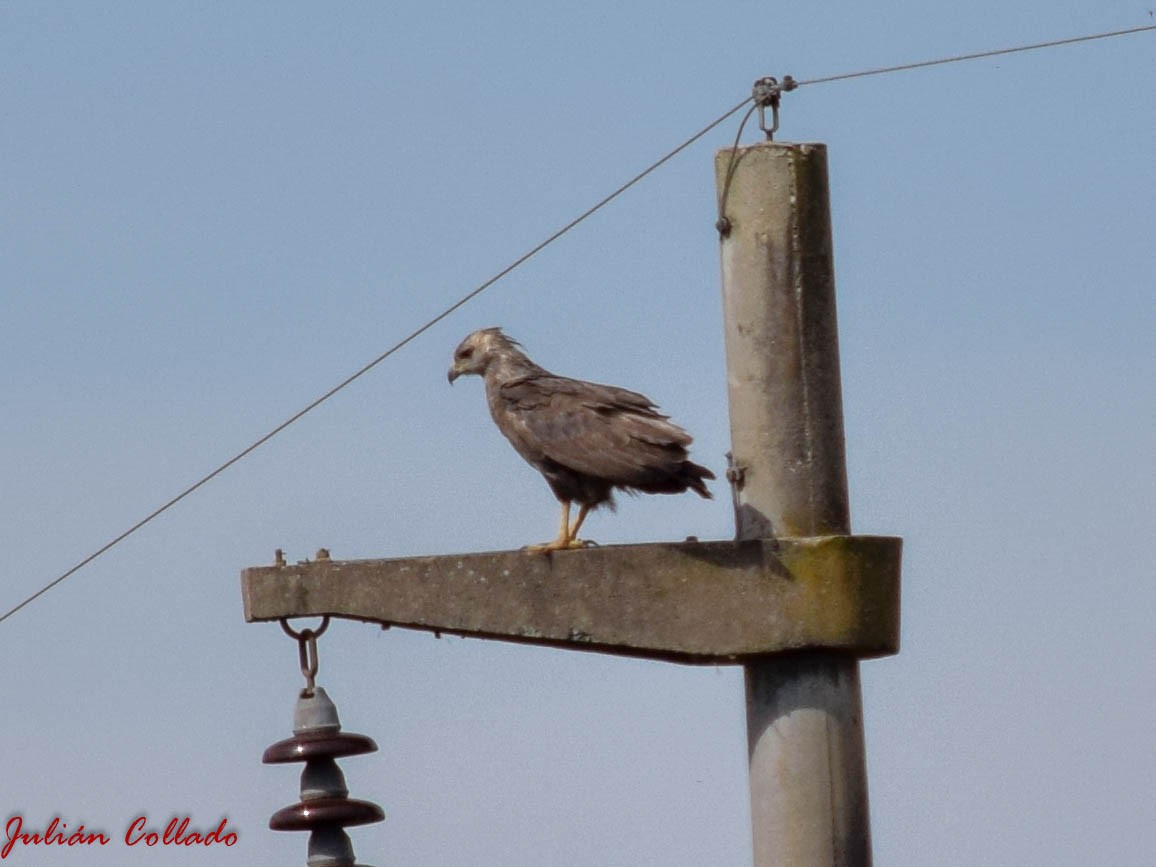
(465,353)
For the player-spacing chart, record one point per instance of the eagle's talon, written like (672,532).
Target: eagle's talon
(560,545)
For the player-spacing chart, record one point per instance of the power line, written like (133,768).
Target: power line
(469,296)
(884,70)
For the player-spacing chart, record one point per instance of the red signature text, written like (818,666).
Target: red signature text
(177,833)
(56,834)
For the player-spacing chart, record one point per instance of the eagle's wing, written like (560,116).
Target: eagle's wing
(597,430)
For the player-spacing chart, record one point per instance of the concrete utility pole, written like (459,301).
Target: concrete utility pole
(795,599)
(804,712)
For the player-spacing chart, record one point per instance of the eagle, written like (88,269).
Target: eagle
(586,439)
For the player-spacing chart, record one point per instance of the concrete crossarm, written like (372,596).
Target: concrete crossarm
(693,602)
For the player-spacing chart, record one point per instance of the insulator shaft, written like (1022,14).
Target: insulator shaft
(325,808)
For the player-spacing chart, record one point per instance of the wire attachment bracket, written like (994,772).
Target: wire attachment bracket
(767,92)
(307,651)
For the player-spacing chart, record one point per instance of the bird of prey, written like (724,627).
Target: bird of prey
(586,439)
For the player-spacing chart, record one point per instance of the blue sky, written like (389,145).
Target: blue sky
(211,213)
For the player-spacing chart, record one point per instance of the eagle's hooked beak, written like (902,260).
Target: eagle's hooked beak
(453,374)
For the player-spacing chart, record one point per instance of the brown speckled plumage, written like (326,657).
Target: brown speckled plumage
(586,439)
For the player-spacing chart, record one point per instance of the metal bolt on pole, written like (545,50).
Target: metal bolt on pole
(808,775)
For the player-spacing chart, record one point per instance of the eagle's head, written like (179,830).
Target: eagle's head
(475,353)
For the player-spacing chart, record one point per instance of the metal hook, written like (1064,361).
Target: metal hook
(307,654)
(307,651)
(295,635)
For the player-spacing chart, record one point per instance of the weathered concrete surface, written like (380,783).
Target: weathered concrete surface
(808,770)
(782,344)
(696,602)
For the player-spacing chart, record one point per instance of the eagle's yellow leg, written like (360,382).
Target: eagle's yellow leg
(575,542)
(567,536)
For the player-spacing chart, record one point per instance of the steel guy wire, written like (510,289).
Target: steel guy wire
(469,296)
(723,225)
